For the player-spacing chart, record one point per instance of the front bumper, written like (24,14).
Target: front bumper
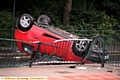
(98,55)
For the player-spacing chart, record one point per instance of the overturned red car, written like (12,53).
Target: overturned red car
(55,42)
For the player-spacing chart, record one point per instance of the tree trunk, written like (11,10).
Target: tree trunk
(67,9)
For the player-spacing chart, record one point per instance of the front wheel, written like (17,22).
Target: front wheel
(96,50)
(79,47)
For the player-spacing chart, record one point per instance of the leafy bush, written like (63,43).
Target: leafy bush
(6,19)
(93,20)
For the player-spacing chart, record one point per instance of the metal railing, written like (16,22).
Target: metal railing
(10,56)
(111,42)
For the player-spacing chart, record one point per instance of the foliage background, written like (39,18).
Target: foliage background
(85,14)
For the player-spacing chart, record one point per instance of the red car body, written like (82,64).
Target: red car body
(28,34)
(39,34)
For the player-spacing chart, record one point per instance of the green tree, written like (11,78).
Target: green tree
(67,10)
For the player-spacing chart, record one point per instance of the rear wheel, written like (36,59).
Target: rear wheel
(25,22)
(43,20)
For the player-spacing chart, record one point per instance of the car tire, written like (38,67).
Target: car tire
(43,20)
(97,43)
(96,50)
(79,47)
(25,22)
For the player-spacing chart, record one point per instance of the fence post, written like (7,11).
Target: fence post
(13,45)
(103,52)
(34,55)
